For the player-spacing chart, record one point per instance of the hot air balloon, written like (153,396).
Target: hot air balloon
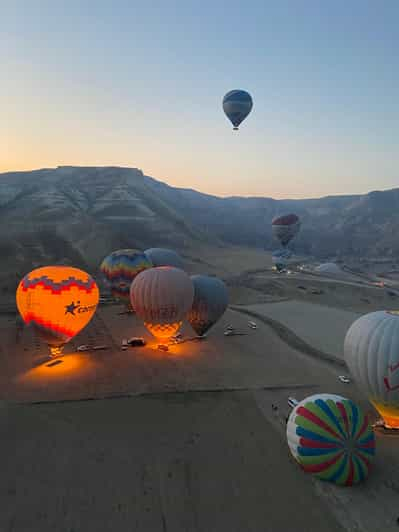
(237,105)
(164,257)
(285,228)
(162,297)
(371,350)
(279,263)
(280,258)
(58,301)
(329,436)
(120,268)
(210,302)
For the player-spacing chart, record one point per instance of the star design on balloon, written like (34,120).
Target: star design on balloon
(70,309)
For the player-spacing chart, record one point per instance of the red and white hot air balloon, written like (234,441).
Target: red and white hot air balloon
(285,228)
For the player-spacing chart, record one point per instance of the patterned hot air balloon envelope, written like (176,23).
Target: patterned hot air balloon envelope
(332,438)
(58,301)
(285,228)
(120,269)
(162,297)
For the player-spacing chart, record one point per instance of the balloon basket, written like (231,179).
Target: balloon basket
(55,351)
(381,428)
(163,347)
(177,341)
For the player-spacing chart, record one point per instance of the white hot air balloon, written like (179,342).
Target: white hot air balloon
(371,351)
(162,298)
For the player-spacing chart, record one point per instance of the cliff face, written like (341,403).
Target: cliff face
(343,226)
(77,215)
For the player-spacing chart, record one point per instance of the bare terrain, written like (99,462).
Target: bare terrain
(187,440)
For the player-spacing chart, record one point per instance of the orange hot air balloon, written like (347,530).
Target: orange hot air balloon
(58,301)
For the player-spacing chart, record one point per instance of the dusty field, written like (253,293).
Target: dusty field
(187,440)
(187,462)
(321,326)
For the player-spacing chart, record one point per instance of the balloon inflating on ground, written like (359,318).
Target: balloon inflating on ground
(162,297)
(58,302)
(371,351)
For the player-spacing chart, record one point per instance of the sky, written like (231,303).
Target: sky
(140,84)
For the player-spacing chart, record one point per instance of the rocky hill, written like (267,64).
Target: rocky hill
(334,226)
(77,215)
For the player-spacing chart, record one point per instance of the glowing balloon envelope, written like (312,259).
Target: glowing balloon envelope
(210,302)
(58,301)
(164,257)
(237,104)
(330,436)
(285,228)
(162,297)
(120,268)
(371,350)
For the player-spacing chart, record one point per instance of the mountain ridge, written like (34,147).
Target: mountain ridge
(78,214)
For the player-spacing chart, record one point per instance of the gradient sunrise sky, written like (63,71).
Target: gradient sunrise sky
(124,83)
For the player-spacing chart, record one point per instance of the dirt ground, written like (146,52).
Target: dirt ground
(186,440)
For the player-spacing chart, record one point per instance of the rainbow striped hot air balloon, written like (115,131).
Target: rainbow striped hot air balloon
(58,301)
(120,269)
(329,436)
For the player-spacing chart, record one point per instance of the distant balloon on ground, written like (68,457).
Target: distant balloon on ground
(280,258)
(164,257)
(58,301)
(330,268)
(210,302)
(237,104)
(285,228)
(330,437)
(279,264)
(162,296)
(371,350)
(120,268)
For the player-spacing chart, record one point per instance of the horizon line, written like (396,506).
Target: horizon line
(119,167)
